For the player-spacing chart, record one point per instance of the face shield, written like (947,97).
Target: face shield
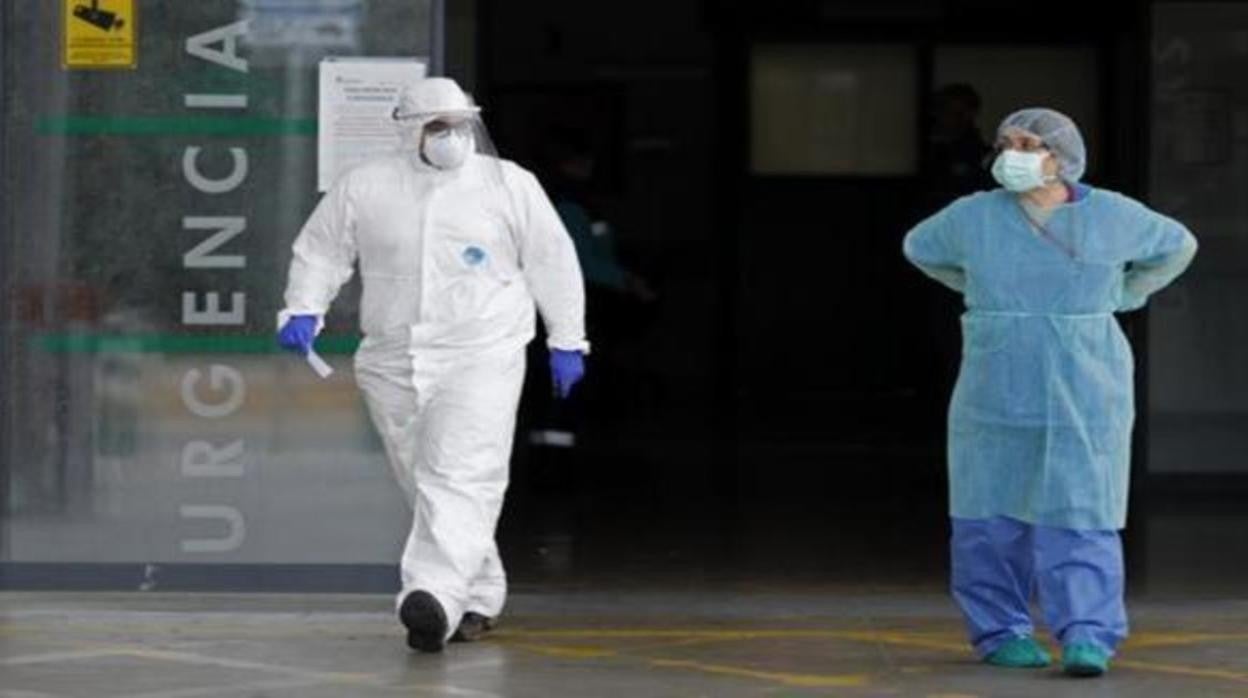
(443,134)
(447,140)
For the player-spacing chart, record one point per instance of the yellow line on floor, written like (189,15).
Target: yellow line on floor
(713,634)
(648,633)
(1161,639)
(683,639)
(788,679)
(1179,670)
(565,651)
(668,644)
(934,641)
(939,641)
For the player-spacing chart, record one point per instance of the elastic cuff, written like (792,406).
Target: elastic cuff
(564,345)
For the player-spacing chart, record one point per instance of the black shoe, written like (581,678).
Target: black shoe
(472,627)
(425,621)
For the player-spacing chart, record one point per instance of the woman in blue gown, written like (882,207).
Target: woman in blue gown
(1041,416)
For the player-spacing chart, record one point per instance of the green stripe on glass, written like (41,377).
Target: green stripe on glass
(73,343)
(174,126)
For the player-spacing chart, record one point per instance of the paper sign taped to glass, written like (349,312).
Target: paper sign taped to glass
(354,117)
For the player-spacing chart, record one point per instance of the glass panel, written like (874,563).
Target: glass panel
(833,110)
(150,213)
(1198,331)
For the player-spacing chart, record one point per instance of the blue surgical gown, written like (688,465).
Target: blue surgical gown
(1041,416)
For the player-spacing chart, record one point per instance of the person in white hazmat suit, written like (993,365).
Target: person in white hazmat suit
(454,247)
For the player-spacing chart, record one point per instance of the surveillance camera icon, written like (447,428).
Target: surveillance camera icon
(94,16)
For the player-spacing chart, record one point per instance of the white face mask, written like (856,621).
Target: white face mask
(447,151)
(1020,171)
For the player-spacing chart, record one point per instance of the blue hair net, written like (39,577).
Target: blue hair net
(1059,134)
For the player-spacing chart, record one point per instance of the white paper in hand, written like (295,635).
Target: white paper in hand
(318,364)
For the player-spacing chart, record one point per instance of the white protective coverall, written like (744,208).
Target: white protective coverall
(452,262)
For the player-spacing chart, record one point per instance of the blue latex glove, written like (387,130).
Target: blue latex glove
(566,368)
(297,334)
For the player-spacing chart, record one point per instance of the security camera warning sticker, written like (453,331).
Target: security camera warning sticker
(99,34)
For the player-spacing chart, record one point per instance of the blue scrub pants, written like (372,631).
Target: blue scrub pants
(1000,563)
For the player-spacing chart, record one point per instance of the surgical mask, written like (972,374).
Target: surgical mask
(448,150)
(1020,171)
